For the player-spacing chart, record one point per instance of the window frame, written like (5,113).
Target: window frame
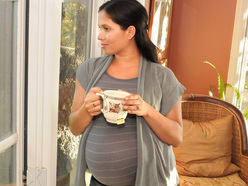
(17,137)
(43,80)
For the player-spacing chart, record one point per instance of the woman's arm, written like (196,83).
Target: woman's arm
(168,128)
(83,110)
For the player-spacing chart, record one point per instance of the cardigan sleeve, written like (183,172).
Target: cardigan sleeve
(86,73)
(172,89)
(82,74)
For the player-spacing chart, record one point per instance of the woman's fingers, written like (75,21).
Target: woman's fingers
(95,90)
(134,104)
(93,102)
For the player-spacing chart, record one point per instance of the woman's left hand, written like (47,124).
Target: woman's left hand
(168,128)
(134,104)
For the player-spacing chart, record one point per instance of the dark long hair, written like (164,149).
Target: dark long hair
(130,12)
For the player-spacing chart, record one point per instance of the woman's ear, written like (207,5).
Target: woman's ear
(131,32)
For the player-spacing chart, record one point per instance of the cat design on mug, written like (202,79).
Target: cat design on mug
(112,107)
(115,108)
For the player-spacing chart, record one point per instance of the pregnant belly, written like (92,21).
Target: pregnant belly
(111,154)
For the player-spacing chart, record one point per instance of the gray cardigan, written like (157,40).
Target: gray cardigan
(158,86)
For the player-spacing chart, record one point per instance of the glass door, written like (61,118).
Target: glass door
(11,91)
(78,42)
(75,42)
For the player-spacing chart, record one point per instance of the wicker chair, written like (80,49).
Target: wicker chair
(204,108)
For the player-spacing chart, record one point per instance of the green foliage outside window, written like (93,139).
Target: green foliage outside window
(68,25)
(73,38)
(72,53)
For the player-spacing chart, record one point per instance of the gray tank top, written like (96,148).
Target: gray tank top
(111,150)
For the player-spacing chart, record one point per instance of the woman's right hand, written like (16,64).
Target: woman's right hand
(93,102)
(83,109)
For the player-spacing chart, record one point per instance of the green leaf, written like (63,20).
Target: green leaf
(238,97)
(221,85)
(227,85)
(246,113)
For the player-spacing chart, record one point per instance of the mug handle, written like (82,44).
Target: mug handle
(104,98)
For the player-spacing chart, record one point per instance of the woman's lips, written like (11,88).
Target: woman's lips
(103,45)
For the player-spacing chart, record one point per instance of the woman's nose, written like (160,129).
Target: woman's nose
(100,36)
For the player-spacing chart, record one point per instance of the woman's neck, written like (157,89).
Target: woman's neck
(125,67)
(129,57)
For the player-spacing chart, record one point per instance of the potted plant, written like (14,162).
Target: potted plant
(222,89)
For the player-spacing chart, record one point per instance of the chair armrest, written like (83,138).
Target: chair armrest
(242,161)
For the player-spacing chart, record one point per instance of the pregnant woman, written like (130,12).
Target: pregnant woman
(138,152)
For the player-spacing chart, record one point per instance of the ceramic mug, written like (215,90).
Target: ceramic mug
(112,107)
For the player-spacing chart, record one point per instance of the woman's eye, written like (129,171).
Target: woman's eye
(103,28)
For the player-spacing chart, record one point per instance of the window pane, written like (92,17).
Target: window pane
(8,166)
(74,50)
(7,66)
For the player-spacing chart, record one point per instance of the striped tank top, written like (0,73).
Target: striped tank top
(111,150)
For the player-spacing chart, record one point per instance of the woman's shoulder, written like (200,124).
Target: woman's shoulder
(160,69)
(93,63)
(88,67)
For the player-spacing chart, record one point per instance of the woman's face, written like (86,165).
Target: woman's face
(113,39)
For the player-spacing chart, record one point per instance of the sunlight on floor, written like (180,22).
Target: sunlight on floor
(87,177)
